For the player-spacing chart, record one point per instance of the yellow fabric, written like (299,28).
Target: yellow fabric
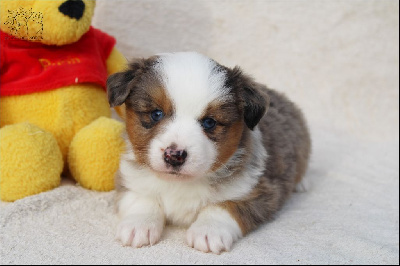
(63,112)
(115,63)
(40,20)
(68,128)
(30,161)
(92,156)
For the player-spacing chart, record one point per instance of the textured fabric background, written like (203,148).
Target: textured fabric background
(338,60)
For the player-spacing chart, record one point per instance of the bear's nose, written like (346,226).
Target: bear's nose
(72,8)
(174,157)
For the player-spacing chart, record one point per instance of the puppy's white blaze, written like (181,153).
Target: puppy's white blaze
(191,81)
(188,135)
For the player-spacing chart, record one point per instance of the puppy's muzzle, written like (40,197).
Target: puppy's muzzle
(175,157)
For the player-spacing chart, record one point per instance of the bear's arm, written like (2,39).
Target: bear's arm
(117,62)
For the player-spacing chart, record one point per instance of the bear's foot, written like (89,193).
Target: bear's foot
(30,161)
(94,154)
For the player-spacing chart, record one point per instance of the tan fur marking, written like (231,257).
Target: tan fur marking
(139,135)
(302,160)
(228,145)
(228,133)
(161,99)
(120,110)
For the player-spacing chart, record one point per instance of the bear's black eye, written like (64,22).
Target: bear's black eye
(157,115)
(208,123)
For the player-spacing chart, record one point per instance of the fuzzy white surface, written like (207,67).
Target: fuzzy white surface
(339,60)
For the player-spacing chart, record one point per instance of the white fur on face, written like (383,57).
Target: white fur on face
(192,82)
(188,135)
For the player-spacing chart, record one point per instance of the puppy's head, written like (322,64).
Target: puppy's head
(186,115)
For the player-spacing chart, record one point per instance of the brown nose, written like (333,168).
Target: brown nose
(174,157)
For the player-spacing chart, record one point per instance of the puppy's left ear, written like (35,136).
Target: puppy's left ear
(252,95)
(256,105)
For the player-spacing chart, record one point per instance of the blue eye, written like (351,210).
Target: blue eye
(157,115)
(208,123)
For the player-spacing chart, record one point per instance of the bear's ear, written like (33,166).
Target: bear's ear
(252,95)
(120,85)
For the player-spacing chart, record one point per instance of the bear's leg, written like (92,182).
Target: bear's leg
(94,154)
(30,161)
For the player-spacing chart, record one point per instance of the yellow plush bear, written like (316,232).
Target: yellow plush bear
(54,113)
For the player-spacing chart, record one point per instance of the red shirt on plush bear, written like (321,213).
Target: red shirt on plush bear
(28,67)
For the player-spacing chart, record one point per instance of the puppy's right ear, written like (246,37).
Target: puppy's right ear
(118,87)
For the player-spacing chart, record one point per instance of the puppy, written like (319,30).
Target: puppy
(202,151)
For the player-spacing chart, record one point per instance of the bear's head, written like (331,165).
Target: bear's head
(55,22)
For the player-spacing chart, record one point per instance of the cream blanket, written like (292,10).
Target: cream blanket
(339,60)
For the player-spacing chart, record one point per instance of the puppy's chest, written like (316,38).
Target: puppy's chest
(181,206)
(179,201)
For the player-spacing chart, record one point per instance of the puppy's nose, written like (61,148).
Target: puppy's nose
(72,8)
(174,157)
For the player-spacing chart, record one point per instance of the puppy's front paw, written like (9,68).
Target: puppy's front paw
(208,238)
(138,233)
(213,231)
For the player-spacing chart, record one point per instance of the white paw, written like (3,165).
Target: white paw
(214,233)
(138,233)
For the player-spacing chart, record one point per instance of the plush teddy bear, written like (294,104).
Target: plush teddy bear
(54,113)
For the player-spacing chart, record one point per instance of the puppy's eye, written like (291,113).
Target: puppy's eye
(157,115)
(208,123)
